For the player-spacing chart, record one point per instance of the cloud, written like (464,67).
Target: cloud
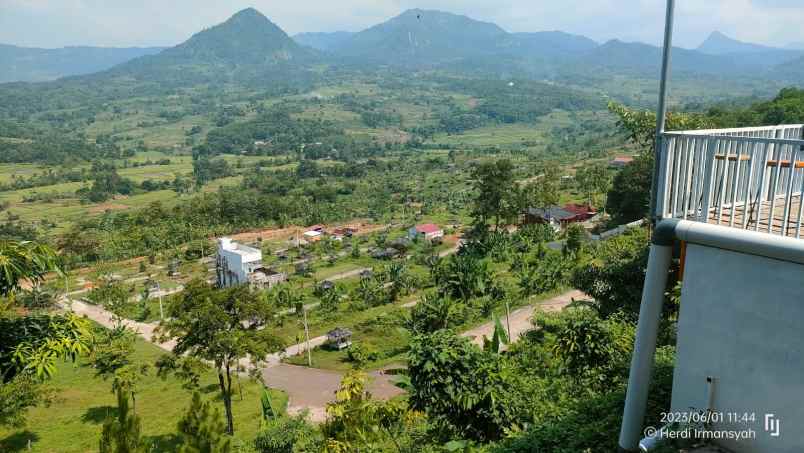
(54,23)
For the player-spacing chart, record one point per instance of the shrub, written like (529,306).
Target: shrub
(360,355)
(287,435)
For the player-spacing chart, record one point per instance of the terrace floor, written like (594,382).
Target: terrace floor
(762,211)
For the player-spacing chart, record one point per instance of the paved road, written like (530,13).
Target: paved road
(310,388)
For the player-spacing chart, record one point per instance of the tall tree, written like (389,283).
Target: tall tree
(593,180)
(223,327)
(497,193)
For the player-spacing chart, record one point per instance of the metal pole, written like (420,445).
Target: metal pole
(661,111)
(307,337)
(650,312)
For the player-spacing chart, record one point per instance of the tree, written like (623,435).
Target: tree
(223,327)
(121,433)
(629,197)
(576,236)
(434,313)
(202,429)
(591,350)
(463,276)
(21,261)
(474,393)
(497,192)
(615,272)
(30,346)
(545,191)
(593,180)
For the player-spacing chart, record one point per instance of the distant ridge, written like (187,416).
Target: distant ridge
(322,40)
(30,64)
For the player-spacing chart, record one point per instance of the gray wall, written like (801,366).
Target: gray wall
(742,322)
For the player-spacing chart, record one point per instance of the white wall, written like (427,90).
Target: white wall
(742,322)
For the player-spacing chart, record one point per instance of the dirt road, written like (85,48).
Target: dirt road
(520,318)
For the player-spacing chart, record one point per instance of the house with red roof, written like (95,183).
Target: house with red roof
(428,231)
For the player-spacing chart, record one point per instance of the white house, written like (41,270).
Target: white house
(239,264)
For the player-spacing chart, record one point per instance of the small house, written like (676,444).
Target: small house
(620,161)
(339,338)
(428,231)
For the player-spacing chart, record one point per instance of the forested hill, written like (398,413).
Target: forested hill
(243,47)
(423,37)
(27,64)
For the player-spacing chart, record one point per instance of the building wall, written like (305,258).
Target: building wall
(742,322)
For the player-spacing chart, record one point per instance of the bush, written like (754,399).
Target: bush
(360,355)
(287,435)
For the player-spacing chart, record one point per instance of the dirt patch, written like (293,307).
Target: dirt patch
(288,232)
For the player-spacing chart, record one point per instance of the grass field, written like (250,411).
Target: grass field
(73,423)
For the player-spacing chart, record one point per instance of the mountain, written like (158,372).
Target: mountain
(640,59)
(548,44)
(719,44)
(795,46)
(28,64)
(423,37)
(322,40)
(248,46)
(752,54)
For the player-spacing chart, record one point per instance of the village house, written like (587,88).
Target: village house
(428,231)
(239,264)
(559,217)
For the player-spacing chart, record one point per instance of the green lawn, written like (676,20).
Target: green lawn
(73,422)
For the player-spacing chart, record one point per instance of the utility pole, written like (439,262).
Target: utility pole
(508,319)
(161,310)
(307,337)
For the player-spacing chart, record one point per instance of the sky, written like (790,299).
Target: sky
(119,23)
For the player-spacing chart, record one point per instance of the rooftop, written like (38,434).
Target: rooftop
(427,228)
(230,246)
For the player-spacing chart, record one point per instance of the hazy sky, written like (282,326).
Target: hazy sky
(56,23)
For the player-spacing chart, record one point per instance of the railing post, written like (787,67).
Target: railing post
(661,111)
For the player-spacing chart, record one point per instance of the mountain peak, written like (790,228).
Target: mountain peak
(248,14)
(720,44)
(248,37)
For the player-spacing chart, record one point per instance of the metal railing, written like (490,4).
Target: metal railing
(749,178)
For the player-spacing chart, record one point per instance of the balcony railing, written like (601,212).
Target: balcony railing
(749,178)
